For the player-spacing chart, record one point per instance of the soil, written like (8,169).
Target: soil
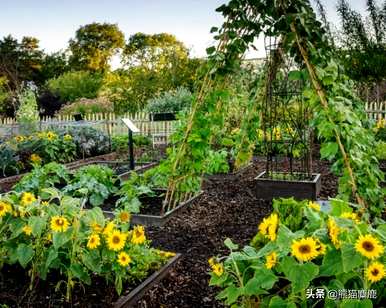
(227,208)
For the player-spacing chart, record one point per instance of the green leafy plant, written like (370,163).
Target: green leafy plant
(120,142)
(217,162)
(27,114)
(8,160)
(86,106)
(327,251)
(41,177)
(95,183)
(173,101)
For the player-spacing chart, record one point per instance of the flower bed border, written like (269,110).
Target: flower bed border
(299,189)
(135,295)
(154,220)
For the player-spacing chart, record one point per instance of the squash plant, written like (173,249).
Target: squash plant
(56,234)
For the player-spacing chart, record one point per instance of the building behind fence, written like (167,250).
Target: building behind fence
(112,124)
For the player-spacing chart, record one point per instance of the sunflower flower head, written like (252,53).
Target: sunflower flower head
(59,224)
(375,272)
(51,136)
(352,216)
(124,216)
(67,137)
(109,228)
(271,260)
(93,241)
(268,226)
(321,248)
(333,232)
(304,249)
(138,235)
(27,230)
(124,259)
(5,208)
(27,198)
(96,228)
(116,240)
(35,159)
(45,203)
(313,205)
(368,246)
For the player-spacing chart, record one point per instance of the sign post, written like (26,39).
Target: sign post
(132,129)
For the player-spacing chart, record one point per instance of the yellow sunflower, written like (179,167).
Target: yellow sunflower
(124,259)
(93,241)
(5,208)
(116,240)
(305,249)
(375,272)
(313,205)
(20,138)
(96,228)
(217,269)
(321,248)
(35,159)
(124,216)
(353,216)
(67,137)
(51,136)
(333,232)
(268,226)
(368,246)
(59,224)
(271,260)
(108,229)
(212,261)
(27,198)
(27,230)
(45,203)
(138,235)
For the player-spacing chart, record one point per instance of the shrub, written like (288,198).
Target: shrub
(89,141)
(85,106)
(75,85)
(329,250)
(173,101)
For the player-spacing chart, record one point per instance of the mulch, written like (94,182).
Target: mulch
(228,208)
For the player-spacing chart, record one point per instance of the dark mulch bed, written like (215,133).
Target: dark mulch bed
(228,208)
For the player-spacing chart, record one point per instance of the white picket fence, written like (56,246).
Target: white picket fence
(376,110)
(110,123)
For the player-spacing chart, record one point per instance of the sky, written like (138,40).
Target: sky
(54,22)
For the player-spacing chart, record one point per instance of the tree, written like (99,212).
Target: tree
(94,45)
(154,51)
(364,43)
(19,61)
(53,65)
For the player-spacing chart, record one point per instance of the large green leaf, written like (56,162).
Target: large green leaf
(332,263)
(79,272)
(350,258)
(61,238)
(37,224)
(25,254)
(300,275)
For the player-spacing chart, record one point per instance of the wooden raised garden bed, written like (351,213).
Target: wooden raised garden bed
(135,295)
(269,188)
(151,210)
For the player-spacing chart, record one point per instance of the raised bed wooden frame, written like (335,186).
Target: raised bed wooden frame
(268,189)
(154,220)
(135,295)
